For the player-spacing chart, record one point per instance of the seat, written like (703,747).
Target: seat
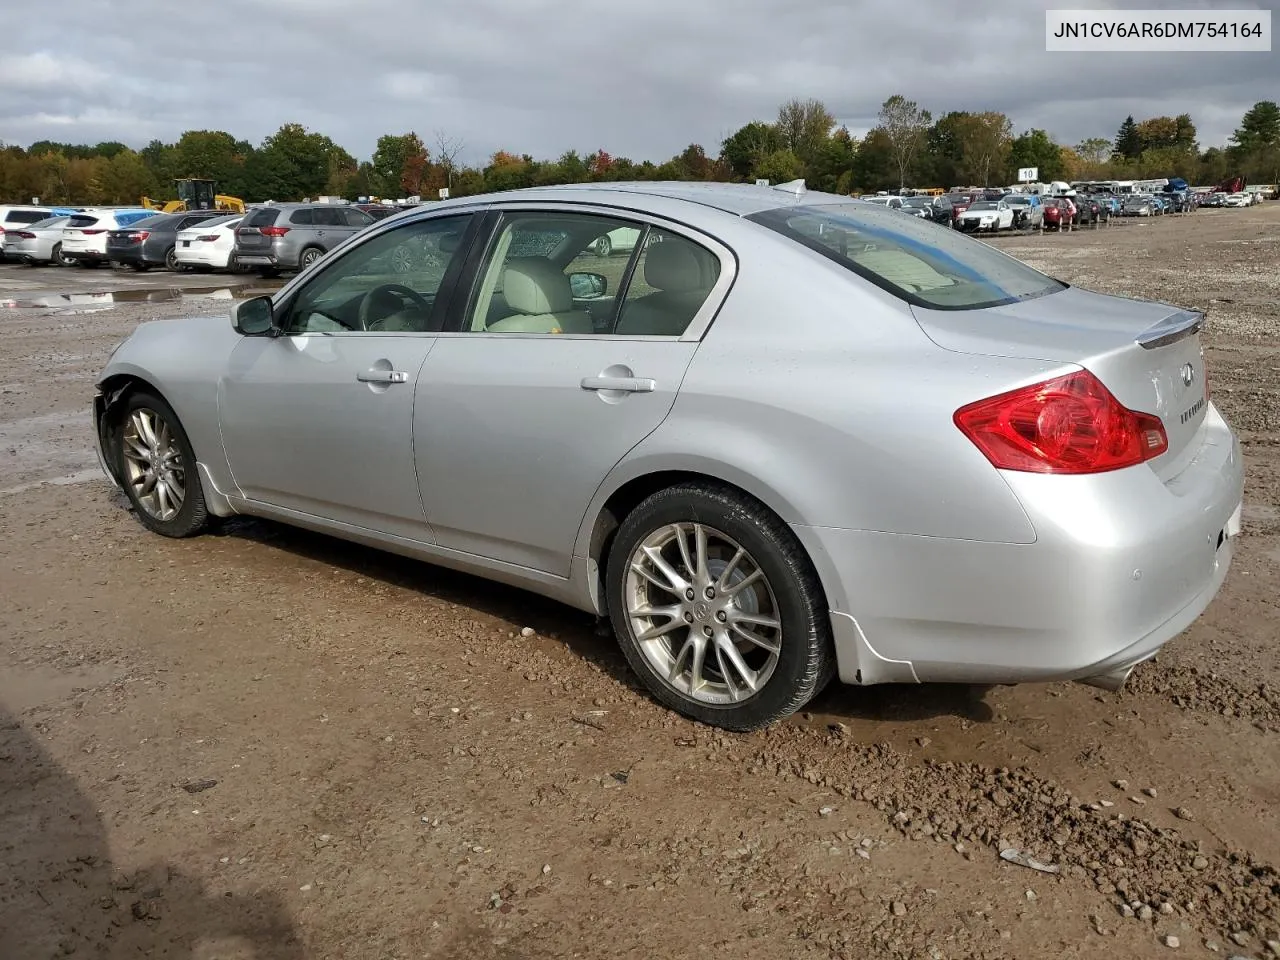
(541,296)
(682,275)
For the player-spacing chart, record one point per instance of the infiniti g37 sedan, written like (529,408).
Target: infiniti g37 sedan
(791,436)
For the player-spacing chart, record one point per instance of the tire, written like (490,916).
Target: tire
(171,260)
(59,259)
(171,448)
(309,256)
(796,658)
(604,246)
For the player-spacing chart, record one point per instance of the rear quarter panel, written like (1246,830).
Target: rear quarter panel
(816,392)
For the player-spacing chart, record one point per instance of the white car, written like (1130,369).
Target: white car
(990,215)
(84,238)
(1236,200)
(893,203)
(37,243)
(209,244)
(19,218)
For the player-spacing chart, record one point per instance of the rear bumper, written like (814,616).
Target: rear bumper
(93,256)
(201,255)
(127,255)
(1122,563)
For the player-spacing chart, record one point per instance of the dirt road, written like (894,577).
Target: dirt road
(266,743)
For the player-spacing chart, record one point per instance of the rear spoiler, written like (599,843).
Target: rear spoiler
(1174,327)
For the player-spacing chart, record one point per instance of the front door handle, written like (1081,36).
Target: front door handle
(621,384)
(383,376)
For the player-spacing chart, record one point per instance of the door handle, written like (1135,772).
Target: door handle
(383,376)
(621,384)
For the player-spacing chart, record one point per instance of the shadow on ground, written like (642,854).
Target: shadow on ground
(61,894)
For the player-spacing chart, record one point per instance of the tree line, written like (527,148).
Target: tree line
(907,147)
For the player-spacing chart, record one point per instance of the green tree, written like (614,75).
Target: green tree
(942,152)
(781,166)
(1128,144)
(291,164)
(746,147)
(874,165)
(399,164)
(1259,127)
(213,155)
(125,178)
(1094,152)
(984,140)
(804,127)
(832,170)
(1036,148)
(906,125)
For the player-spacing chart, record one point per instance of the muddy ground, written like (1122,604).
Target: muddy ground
(266,743)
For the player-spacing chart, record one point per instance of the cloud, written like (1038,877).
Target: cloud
(543,76)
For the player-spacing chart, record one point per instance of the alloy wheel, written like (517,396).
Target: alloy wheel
(703,613)
(154,467)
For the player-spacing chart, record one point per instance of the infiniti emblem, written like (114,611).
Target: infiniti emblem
(1188,374)
(701,610)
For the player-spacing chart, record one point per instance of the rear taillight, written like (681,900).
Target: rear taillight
(93,233)
(25,235)
(273,231)
(137,236)
(208,237)
(1070,424)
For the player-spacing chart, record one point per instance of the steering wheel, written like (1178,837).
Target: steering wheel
(398,289)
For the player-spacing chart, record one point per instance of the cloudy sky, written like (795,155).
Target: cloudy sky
(541,76)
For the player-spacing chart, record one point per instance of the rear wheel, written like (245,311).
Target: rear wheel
(171,260)
(58,258)
(158,468)
(309,256)
(717,608)
(604,246)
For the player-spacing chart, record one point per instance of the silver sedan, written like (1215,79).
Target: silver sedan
(800,437)
(37,243)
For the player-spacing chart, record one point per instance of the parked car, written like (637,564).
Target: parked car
(1028,211)
(13,218)
(892,202)
(921,207)
(84,238)
(153,242)
(1236,200)
(209,245)
(1058,213)
(622,240)
(292,236)
(1138,206)
(37,243)
(728,526)
(993,215)
(959,204)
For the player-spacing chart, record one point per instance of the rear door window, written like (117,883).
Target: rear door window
(305,217)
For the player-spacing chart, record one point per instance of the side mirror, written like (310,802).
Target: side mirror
(587,286)
(254,317)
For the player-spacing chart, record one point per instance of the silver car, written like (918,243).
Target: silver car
(800,437)
(38,243)
(292,236)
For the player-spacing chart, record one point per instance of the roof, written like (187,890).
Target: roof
(739,199)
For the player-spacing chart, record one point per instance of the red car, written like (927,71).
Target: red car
(1059,210)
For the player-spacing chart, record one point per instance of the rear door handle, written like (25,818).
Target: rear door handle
(383,376)
(621,384)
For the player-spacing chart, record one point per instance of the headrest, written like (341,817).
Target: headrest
(448,242)
(534,286)
(672,265)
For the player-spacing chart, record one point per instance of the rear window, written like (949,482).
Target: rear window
(81,220)
(127,218)
(262,217)
(26,216)
(154,220)
(909,257)
(49,223)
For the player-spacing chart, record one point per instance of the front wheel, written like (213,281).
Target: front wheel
(717,608)
(59,258)
(158,468)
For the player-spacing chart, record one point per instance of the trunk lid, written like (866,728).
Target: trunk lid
(1148,354)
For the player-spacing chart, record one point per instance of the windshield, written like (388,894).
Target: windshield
(918,202)
(909,257)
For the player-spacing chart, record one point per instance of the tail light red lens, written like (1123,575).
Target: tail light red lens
(25,235)
(1070,424)
(93,233)
(274,231)
(208,237)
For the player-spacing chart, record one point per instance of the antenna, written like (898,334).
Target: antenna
(795,187)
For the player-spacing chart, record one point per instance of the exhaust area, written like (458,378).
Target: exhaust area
(1113,681)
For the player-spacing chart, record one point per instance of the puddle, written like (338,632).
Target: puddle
(107,300)
(23,688)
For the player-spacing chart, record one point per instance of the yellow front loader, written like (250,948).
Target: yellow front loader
(196,194)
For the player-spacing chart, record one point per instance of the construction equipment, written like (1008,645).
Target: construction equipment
(195,194)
